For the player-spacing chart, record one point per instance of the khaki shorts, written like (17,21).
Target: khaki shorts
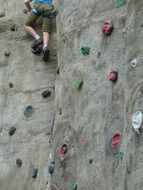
(44,10)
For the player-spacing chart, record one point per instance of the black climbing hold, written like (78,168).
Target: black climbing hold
(51,167)
(79,83)
(34,172)
(85,50)
(11,85)
(19,163)
(7,53)
(28,111)
(98,54)
(58,70)
(12,131)
(46,93)
(25,11)
(13,28)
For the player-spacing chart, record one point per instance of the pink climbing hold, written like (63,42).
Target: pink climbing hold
(63,150)
(113,76)
(2,14)
(116,139)
(107,28)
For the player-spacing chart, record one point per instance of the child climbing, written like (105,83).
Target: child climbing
(46,9)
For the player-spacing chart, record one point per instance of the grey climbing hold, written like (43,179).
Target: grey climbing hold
(28,111)
(11,85)
(7,53)
(46,93)
(12,131)
(19,163)
(137,119)
(51,167)
(34,172)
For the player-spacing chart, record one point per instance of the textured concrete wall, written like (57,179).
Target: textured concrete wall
(30,77)
(84,119)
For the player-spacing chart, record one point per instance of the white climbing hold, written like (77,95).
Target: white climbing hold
(50,155)
(134,62)
(137,120)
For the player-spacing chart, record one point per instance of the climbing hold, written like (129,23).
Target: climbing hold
(63,150)
(120,3)
(25,11)
(90,160)
(13,28)
(79,83)
(34,172)
(12,131)
(51,167)
(46,93)
(28,111)
(58,70)
(53,187)
(137,119)
(11,85)
(85,50)
(7,53)
(121,155)
(107,28)
(113,76)
(2,14)
(134,62)
(116,139)
(74,186)
(19,163)
(59,110)
(98,54)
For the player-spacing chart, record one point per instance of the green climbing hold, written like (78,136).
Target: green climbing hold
(120,3)
(79,84)
(121,155)
(74,186)
(59,110)
(85,50)
(90,161)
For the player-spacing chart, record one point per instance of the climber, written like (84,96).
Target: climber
(46,9)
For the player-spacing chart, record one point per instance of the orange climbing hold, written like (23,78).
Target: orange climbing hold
(107,28)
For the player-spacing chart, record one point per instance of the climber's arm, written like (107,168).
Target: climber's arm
(27,4)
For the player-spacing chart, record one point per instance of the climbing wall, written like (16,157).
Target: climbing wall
(26,116)
(98,89)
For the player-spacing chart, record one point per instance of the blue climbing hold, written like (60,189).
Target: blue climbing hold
(51,167)
(28,111)
(34,172)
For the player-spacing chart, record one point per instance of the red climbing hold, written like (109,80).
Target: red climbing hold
(107,28)
(63,150)
(113,76)
(116,139)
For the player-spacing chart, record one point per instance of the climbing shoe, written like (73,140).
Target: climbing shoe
(36,44)
(45,53)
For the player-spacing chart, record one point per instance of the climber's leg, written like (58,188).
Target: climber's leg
(30,30)
(46,29)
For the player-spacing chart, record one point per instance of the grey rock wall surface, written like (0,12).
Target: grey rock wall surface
(85,119)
